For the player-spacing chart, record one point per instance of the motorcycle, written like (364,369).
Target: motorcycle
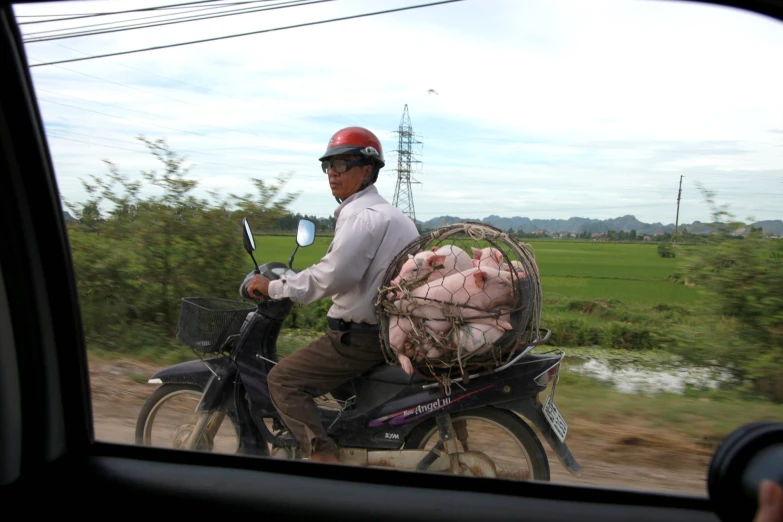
(384,417)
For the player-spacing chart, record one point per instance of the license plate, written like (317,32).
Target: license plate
(555,420)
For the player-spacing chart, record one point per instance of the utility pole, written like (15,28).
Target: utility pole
(677,219)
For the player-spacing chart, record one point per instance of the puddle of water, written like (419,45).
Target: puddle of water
(640,380)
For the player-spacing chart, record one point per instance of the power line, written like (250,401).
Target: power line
(92,15)
(250,33)
(74,16)
(293,3)
(141,18)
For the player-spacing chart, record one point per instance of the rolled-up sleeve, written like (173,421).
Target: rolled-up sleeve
(343,267)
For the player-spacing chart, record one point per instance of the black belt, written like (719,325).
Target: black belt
(344,326)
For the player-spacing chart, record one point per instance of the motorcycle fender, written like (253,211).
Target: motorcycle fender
(534,412)
(217,386)
(190,372)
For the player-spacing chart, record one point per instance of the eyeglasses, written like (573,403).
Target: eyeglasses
(340,166)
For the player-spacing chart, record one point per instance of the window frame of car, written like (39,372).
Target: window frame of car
(46,429)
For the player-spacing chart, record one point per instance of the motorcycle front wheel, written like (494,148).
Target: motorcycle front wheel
(169,416)
(502,436)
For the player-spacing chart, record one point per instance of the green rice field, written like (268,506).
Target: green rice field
(628,272)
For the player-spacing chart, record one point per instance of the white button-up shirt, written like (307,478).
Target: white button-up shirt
(368,235)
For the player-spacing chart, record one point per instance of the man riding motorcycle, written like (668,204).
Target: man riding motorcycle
(369,233)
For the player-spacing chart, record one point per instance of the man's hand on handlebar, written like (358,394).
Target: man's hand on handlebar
(258,286)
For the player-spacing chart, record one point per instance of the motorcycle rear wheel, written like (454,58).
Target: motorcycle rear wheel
(502,436)
(171,411)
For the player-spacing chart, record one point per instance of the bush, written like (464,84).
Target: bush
(614,334)
(743,280)
(135,257)
(673,308)
(665,250)
(309,317)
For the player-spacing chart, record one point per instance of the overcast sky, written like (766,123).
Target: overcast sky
(544,109)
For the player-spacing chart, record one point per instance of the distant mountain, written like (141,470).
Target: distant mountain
(771,227)
(578,224)
(68,217)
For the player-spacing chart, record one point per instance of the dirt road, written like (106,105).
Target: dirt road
(618,456)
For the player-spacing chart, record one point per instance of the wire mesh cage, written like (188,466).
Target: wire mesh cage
(205,323)
(462,298)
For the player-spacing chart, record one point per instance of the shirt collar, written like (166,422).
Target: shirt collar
(354,197)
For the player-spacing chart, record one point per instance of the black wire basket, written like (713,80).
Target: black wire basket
(205,323)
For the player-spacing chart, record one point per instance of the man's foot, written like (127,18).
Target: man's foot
(324,456)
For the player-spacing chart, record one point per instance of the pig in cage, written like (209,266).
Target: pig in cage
(462,298)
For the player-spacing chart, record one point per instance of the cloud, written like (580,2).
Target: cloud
(548,109)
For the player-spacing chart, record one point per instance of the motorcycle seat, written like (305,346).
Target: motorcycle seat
(392,375)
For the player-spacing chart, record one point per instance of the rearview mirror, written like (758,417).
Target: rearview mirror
(305,235)
(249,242)
(247,239)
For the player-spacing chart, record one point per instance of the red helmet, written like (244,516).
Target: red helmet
(356,140)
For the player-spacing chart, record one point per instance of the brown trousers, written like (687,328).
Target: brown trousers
(318,368)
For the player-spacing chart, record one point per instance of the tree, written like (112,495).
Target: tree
(136,259)
(664,250)
(743,280)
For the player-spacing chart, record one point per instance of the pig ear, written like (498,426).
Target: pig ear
(498,255)
(434,249)
(475,262)
(410,256)
(479,277)
(436,260)
(476,253)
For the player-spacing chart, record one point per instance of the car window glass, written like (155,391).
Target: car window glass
(634,147)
